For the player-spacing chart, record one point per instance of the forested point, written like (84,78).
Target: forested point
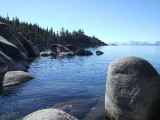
(40,35)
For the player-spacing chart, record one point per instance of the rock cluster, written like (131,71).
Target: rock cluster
(15,51)
(69,50)
(14,55)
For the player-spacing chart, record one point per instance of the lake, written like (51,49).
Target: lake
(74,84)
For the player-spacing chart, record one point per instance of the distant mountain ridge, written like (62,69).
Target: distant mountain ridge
(138,43)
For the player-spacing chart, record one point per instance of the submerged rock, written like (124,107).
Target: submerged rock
(132,90)
(32,50)
(77,107)
(49,114)
(99,52)
(16,77)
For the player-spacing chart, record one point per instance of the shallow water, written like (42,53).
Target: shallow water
(74,84)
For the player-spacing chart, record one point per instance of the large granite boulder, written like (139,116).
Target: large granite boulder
(32,50)
(132,90)
(11,50)
(57,48)
(16,77)
(49,114)
(13,64)
(3,69)
(61,50)
(15,59)
(71,47)
(40,47)
(10,36)
(87,52)
(82,52)
(3,66)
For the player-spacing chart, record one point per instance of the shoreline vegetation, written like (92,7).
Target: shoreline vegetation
(39,35)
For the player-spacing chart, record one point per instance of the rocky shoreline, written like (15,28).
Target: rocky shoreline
(132,87)
(15,51)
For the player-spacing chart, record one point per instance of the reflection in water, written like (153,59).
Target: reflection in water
(78,81)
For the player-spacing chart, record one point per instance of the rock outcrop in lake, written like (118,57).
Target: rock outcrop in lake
(16,77)
(72,48)
(57,48)
(69,50)
(132,90)
(99,52)
(82,52)
(49,114)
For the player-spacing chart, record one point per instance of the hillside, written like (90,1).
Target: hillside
(40,35)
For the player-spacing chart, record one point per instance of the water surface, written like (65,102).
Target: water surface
(74,84)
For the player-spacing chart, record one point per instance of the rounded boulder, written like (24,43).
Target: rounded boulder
(16,77)
(87,52)
(132,90)
(81,52)
(49,114)
(99,52)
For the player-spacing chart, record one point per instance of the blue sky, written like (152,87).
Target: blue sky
(109,20)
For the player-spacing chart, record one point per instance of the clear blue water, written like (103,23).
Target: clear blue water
(78,81)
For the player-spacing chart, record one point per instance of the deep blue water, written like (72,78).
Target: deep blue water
(78,81)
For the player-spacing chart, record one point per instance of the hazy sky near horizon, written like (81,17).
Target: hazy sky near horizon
(109,20)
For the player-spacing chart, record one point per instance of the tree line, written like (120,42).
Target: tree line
(39,35)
